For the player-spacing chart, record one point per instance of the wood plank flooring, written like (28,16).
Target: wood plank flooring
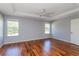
(43,47)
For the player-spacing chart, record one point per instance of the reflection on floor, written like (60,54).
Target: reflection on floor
(43,47)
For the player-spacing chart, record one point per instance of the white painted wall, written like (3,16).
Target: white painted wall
(60,29)
(1,30)
(29,29)
(66,30)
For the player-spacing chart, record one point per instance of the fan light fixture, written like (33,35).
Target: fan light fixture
(45,13)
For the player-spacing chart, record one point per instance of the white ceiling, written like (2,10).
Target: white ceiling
(34,9)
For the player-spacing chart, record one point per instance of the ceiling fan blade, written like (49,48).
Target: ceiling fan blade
(44,10)
(45,13)
(50,13)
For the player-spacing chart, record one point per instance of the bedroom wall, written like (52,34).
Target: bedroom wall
(29,29)
(1,30)
(60,29)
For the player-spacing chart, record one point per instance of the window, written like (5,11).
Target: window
(13,28)
(47,28)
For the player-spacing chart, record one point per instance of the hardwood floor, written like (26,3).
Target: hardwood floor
(43,47)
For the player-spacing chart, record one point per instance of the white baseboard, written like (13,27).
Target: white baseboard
(35,39)
(22,41)
(66,41)
(74,43)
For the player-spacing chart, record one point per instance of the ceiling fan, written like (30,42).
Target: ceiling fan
(45,13)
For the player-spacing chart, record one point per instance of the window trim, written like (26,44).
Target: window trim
(14,20)
(49,28)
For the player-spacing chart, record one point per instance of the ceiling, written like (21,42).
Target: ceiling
(34,9)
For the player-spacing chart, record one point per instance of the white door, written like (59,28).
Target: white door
(75,31)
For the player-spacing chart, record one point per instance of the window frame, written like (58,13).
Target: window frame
(14,20)
(49,28)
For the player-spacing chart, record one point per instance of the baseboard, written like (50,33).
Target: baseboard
(66,41)
(22,41)
(74,43)
(36,39)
